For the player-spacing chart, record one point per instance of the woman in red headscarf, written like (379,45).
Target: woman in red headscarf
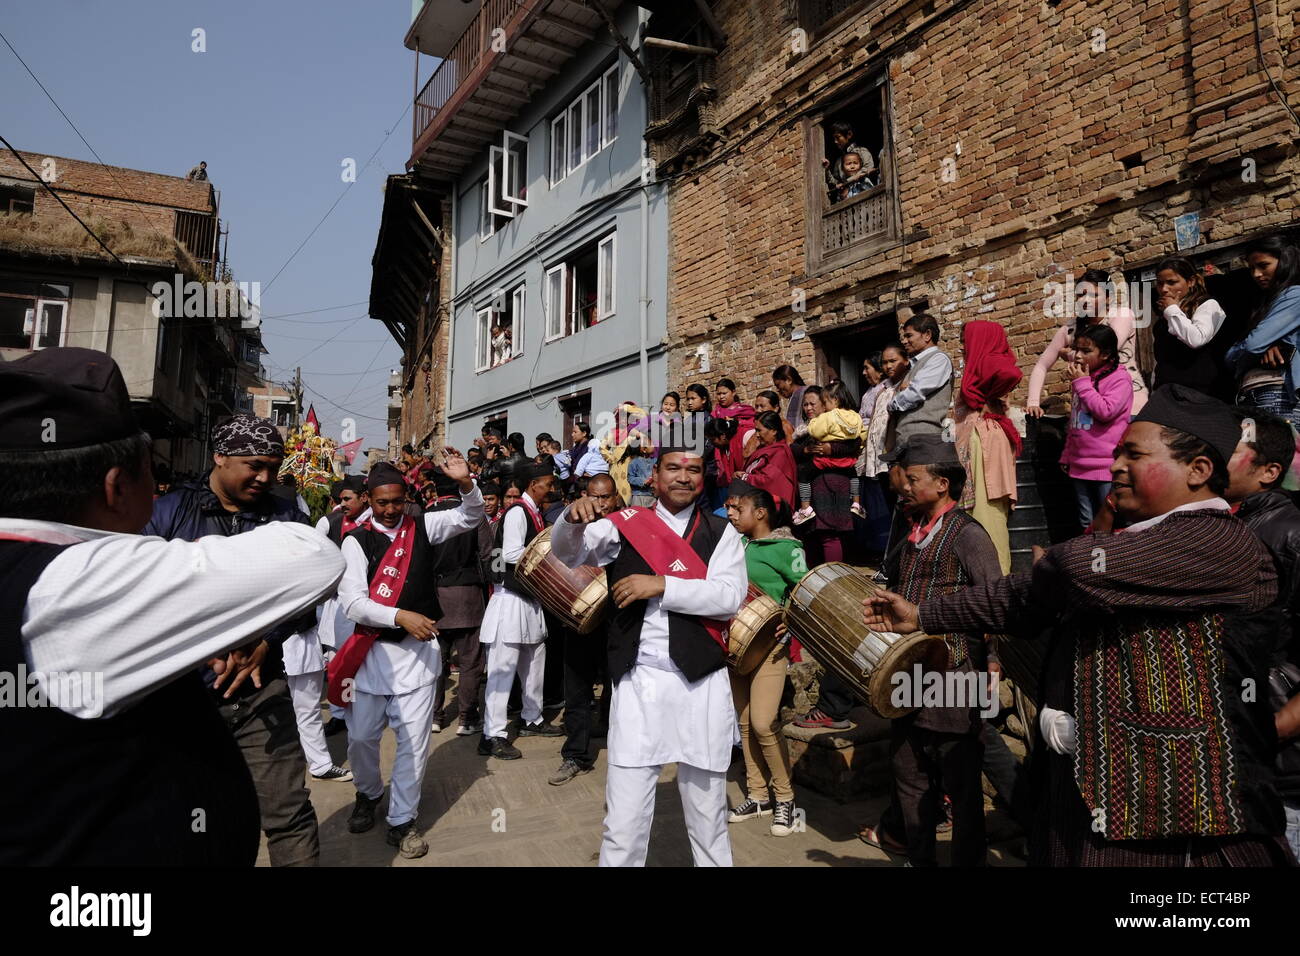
(987,440)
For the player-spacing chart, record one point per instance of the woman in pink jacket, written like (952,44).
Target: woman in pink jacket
(1103,401)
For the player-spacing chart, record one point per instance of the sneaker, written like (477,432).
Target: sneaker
(436,728)
(336,773)
(783,818)
(804,514)
(945,825)
(498,747)
(363,813)
(817,719)
(410,845)
(749,809)
(858,510)
(540,729)
(469,729)
(335,725)
(569,769)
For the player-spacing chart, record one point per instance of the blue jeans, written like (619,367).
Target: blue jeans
(1293,827)
(1272,398)
(1091,495)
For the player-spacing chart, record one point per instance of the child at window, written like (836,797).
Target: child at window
(856,179)
(500,344)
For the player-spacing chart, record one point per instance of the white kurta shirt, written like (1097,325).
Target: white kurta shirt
(143,610)
(302,651)
(399,667)
(513,618)
(657,715)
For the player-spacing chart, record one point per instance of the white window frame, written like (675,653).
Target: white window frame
(589,148)
(560,144)
(486,224)
(515,168)
(517,300)
(556,312)
(605,278)
(574,129)
(497,162)
(483,339)
(609,107)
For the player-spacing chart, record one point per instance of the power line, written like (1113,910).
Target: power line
(328,308)
(48,188)
(346,188)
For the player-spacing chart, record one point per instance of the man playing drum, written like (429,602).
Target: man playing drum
(1151,754)
(937,748)
(676,574)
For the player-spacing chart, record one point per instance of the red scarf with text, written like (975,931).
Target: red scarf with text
(667,553)
(385,587)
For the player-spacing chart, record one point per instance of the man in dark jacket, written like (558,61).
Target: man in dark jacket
(461,566)
(1255,475)
(233,498)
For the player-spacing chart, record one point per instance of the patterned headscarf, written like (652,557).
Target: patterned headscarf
(248,436)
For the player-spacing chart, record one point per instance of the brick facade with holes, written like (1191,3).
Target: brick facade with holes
(1067,148)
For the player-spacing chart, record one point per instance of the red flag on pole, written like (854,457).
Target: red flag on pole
(312,420)
(349,451)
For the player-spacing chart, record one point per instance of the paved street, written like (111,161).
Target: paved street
(477,811)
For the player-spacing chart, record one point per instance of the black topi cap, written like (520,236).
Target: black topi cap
(384,474)
(61,398)
(1197,414)
(922,450)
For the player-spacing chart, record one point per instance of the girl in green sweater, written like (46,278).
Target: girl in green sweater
(775,561)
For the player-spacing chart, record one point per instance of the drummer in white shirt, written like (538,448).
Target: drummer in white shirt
(672,697)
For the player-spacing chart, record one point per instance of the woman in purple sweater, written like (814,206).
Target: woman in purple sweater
(1103,402)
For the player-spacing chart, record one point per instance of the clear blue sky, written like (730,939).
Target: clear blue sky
(286,90)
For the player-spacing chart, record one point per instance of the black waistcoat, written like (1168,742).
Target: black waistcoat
(420,590)
(1202,369)
(456,561)
(690,647)
(530,532)
(336,527)
(121,790)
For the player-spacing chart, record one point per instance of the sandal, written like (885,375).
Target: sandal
(873,836)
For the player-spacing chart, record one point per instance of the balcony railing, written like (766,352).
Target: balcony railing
(857,218)
(461,61)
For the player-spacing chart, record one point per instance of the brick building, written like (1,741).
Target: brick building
(1015,143)
(188,358)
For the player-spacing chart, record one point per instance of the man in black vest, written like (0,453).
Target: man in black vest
(460,568)
(514,626)
(394,684)
(131,764)
(672,697)
(582,667)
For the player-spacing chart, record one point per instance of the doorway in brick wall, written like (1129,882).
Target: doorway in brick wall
(840,352)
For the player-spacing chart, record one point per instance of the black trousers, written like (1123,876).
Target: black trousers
(266,730)
(835,700)
(584,665)
(469,687)
(927,764)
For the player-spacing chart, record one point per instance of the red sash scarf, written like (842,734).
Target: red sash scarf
(385,588)
(667,554)
(920,531)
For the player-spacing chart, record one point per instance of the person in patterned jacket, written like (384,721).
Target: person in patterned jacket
(1156,736)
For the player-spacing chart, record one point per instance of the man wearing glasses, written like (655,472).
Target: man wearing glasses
(584,664)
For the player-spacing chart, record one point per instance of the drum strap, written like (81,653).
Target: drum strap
(385,588)
(668,554)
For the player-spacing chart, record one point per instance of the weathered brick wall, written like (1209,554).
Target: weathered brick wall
(423,402)
(143,200)
(1045,119)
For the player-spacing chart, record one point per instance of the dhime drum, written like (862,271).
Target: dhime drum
(824,612)
(577,596)
(752,634)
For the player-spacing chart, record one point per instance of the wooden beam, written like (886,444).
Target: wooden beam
(560,23)
(679,47)
(622,43)
(707,13)
(531,83)
(435,233)
(506,91)
(559,49)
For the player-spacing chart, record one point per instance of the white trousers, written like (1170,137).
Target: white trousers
(630,810)
(411,717)
(305,690)
(504,660)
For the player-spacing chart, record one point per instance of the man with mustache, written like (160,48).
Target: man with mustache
(1154,751)
(249,685)
(676,575)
